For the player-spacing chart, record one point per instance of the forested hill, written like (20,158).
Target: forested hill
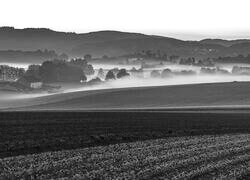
(30,57)
(114,43)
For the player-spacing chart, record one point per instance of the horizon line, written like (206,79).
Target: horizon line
(173,35)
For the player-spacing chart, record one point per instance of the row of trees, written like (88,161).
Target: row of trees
(74,70)
(61,71)
(113,74)
(30,56)
(241,70)
(83,63)
(192,61)
(165,73)
(153,54)
(168,73)
(8,73)
(235,59)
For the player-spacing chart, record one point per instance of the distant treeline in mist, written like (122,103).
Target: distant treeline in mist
(57,70)
(161,56)
(38,56)
(234,59)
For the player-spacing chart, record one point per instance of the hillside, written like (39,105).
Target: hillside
(38,56)
(197,95)
(31,39)
(223,42)
(166,45)
(114,43)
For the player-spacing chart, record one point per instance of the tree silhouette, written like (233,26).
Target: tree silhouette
(155,74)
(122,73)
(110,75)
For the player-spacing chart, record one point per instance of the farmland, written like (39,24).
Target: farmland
(197,157)
(229,94)
(42,131)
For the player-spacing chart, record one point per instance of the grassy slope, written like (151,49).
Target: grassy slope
(32,132)
(214,94)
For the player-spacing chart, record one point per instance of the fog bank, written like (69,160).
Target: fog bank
(177,80)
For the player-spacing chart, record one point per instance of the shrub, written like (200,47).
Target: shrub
(122,73)
(110,75)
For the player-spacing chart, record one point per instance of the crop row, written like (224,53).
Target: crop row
(172,158)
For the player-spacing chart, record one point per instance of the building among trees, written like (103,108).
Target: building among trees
(30,82)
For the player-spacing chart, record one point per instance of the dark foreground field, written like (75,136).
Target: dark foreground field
(202,157)
(34,132)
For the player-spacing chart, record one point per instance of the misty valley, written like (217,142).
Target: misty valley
(117,105)
(56,76)
(41,62)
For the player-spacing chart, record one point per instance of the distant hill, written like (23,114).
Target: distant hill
(226,43)
(31,39)
(125,46)
(114,43)
(38,56)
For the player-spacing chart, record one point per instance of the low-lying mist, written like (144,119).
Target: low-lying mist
(131,81)
(135,81)
(17,65)
(177,80)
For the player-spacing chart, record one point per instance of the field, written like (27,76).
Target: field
(198,157)
(229,94)
(174,132)
(35,132)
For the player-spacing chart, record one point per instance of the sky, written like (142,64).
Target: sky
(183,19)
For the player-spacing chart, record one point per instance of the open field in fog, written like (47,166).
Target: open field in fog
(234,94)
(195,157)
(107,116)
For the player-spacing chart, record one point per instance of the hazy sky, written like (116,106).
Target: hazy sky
(185,19)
